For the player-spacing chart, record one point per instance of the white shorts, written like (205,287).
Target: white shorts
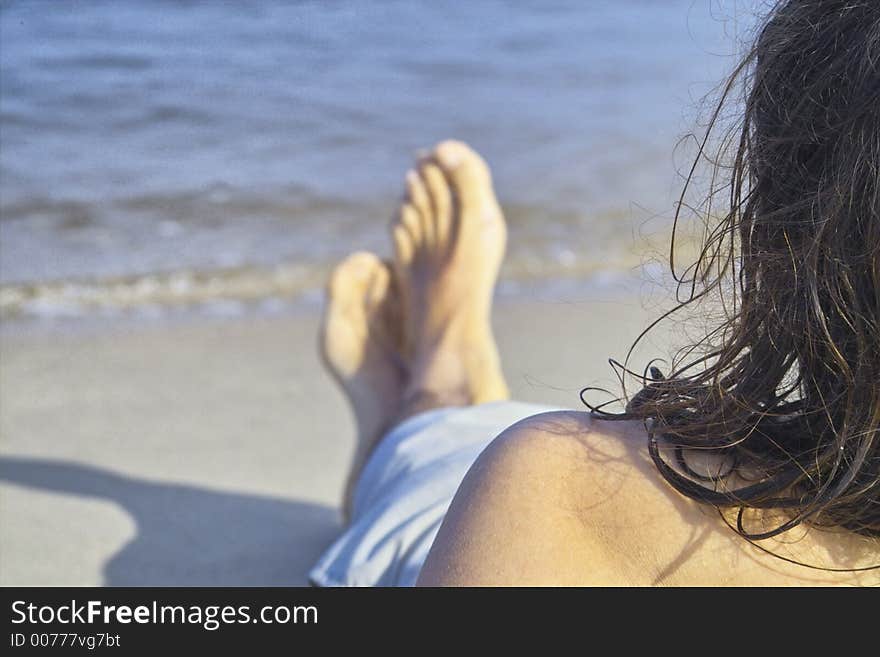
(405,489)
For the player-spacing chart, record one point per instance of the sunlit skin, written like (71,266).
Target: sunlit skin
(558,498)
(415,334)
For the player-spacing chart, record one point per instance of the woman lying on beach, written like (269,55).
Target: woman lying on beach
(754,461)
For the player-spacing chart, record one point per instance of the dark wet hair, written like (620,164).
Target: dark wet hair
(787,389)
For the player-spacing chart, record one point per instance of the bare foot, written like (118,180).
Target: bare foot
(449,241)
(360,342)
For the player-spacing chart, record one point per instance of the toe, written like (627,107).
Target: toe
(441,200)
(355,271)
(344,324)
(467,172)
(412,223)
(418,197)
(378,284)
(403,246)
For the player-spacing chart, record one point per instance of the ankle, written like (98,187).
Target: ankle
(439,373)
(420,400)
(462,371)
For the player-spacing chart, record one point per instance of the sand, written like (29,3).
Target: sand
(213,451)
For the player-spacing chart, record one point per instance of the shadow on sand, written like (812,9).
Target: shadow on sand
(189,536)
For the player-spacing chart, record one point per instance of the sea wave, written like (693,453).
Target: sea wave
(182,288)
(244,287)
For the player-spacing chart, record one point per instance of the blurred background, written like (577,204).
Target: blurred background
(176,179)
(160,154)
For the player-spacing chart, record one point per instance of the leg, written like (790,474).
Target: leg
(449,241)
(417,335)
(360,344)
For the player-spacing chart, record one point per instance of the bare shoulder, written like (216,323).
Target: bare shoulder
(564,499)
(528,511)
(541,440)
(562,458)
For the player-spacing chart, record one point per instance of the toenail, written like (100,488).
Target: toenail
(451,157)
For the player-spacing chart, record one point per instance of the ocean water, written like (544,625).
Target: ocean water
(169,153)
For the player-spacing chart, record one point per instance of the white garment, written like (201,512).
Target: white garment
(405,489)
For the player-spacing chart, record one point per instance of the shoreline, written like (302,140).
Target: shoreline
(253,288)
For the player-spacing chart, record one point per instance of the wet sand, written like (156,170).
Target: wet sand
(213,452)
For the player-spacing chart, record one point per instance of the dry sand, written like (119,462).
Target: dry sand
(213,452)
